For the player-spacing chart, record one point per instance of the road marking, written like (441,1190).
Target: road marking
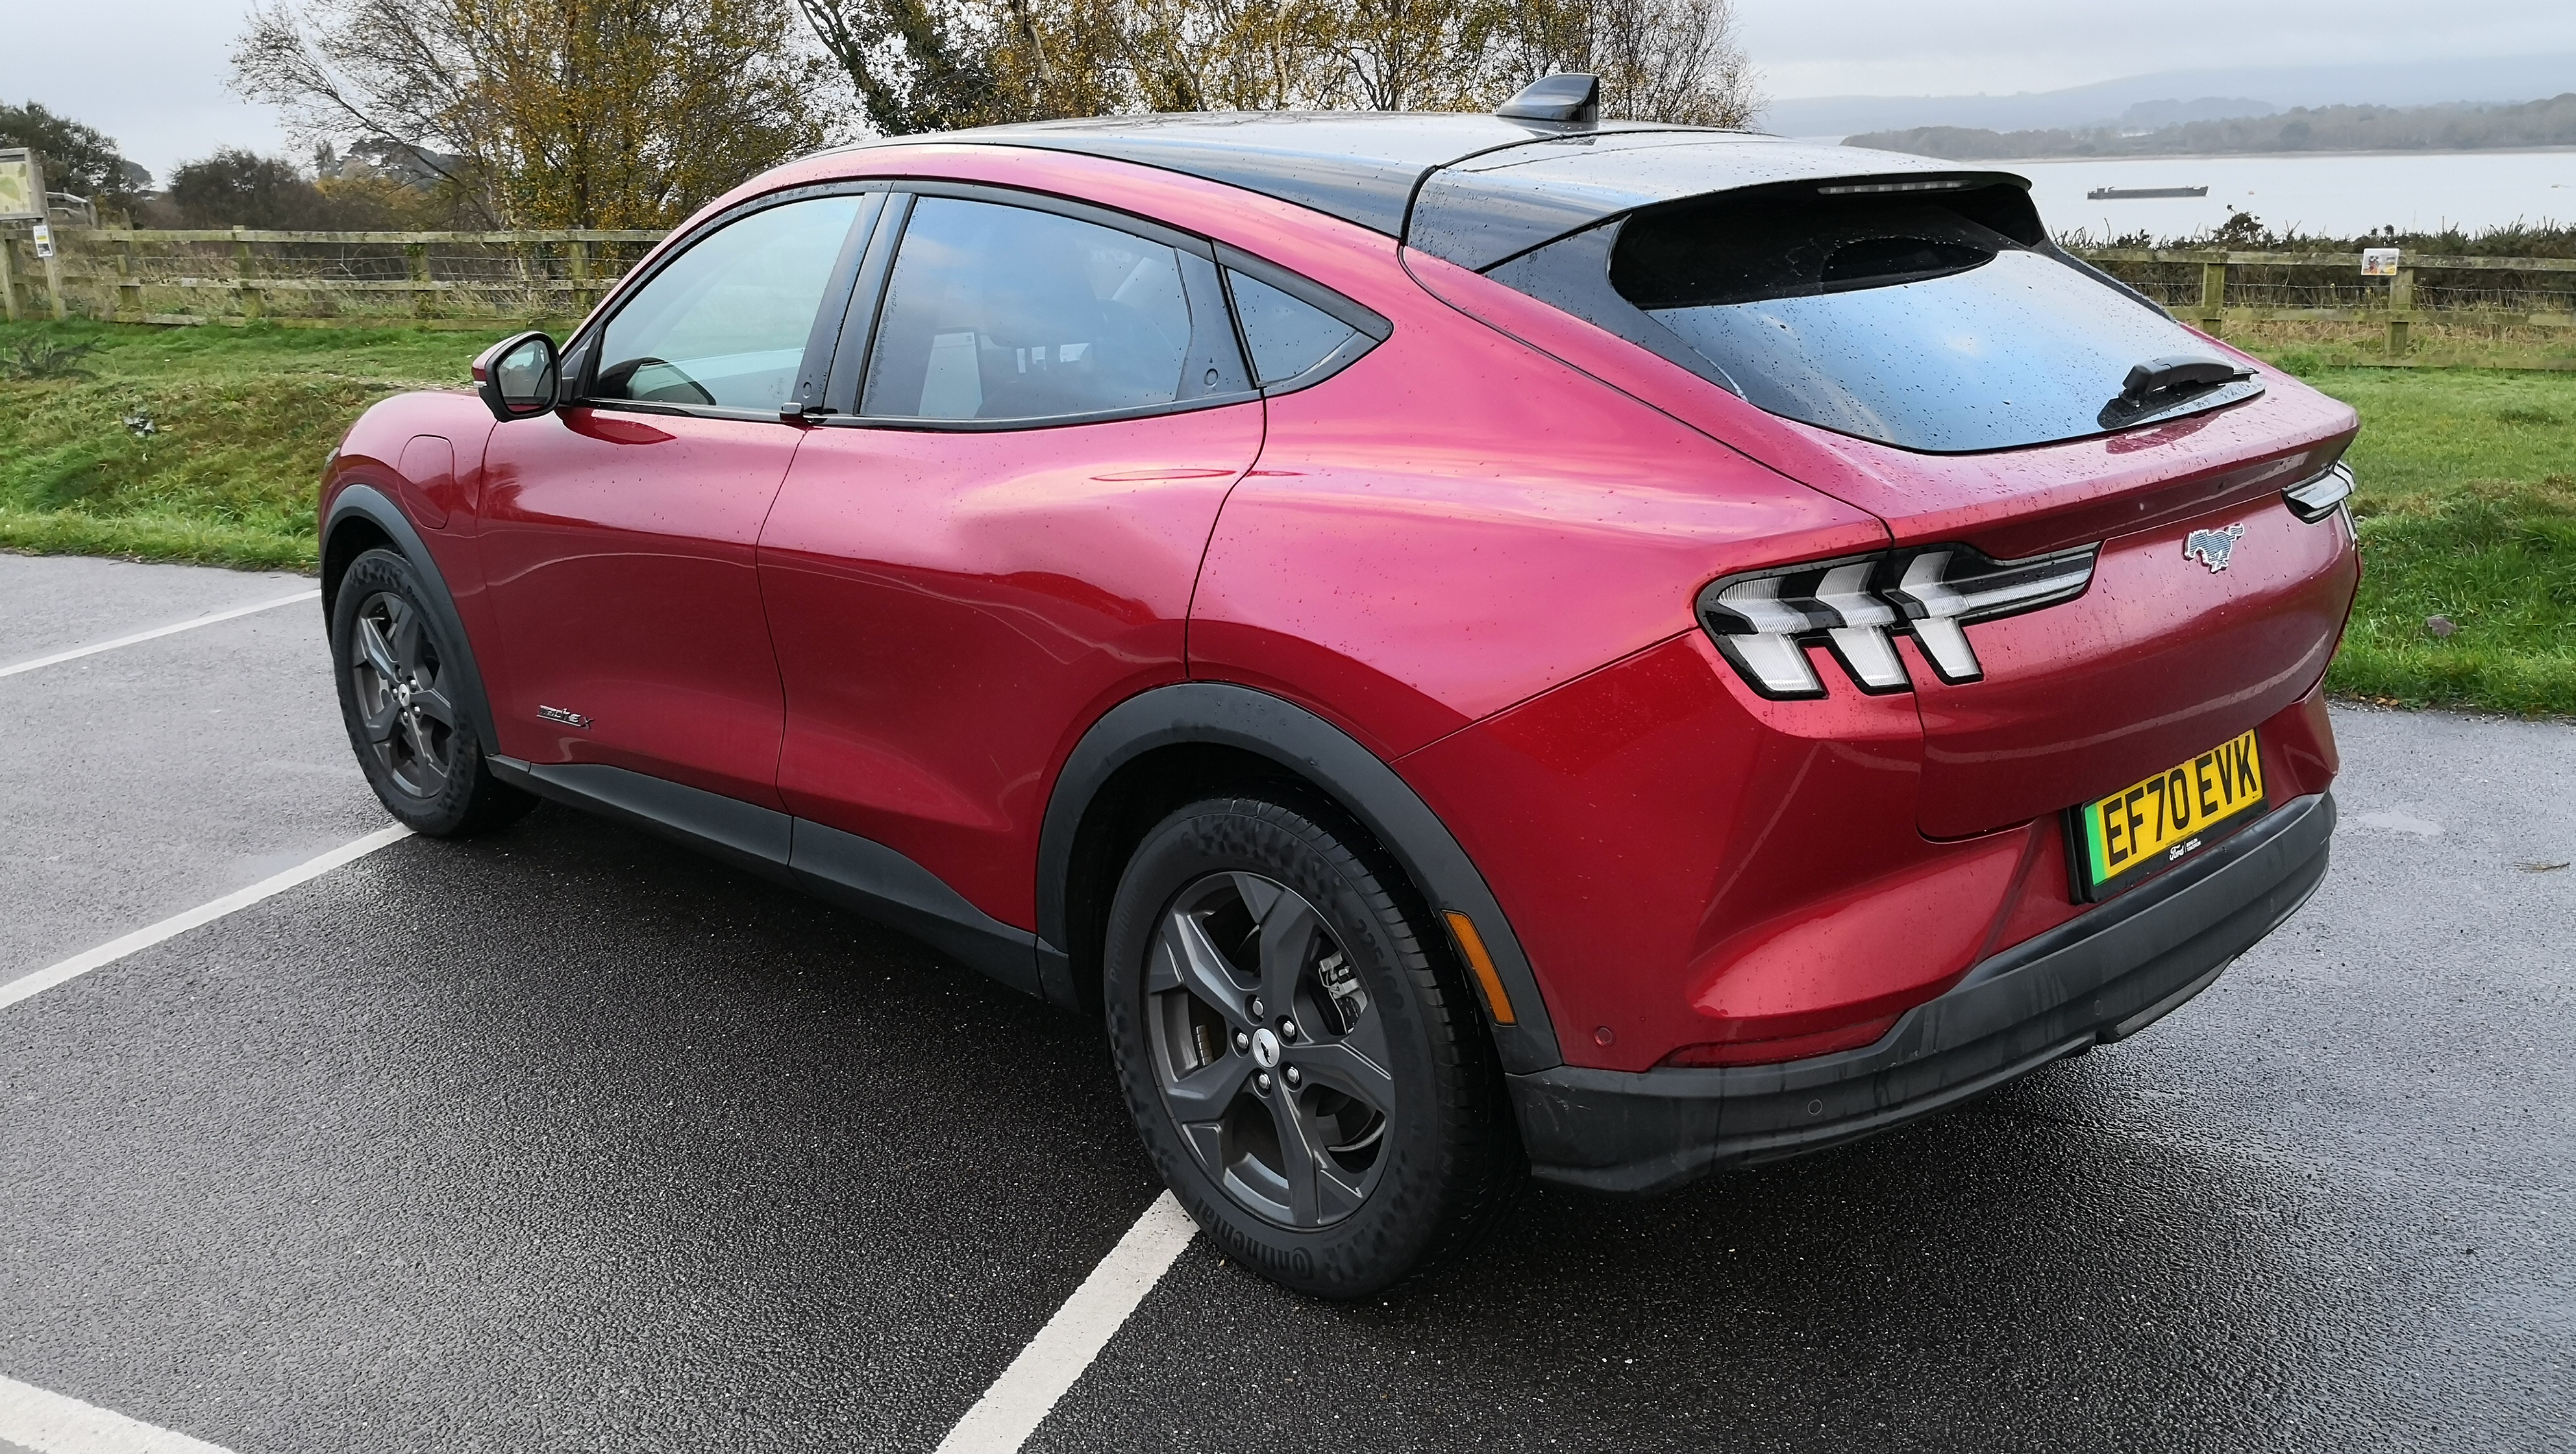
(115,949)
(78,652)
(49,1423)
(1011,1410)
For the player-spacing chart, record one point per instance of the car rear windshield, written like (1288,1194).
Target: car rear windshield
(1917,321)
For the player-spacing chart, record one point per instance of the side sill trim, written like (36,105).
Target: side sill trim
(857,873)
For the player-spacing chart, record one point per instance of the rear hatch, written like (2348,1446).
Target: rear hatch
(1910,342)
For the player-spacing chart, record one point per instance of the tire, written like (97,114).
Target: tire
(1393,1148)
(409,711)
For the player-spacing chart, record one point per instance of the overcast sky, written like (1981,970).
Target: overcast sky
(151,73)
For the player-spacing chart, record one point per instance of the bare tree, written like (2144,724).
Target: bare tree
(586,113)
(927,65)
(1659,60)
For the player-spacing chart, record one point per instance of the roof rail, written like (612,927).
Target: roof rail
(1573,96)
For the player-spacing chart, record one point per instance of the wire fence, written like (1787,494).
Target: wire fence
(2524,306)
(457,279)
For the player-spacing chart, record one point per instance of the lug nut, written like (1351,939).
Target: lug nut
(1257,1011)
(1242,1041)
(1262,1080)
(1293,1076)
(1287,1029)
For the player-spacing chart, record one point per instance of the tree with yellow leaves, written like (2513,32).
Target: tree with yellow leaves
(564,113)
(933,65)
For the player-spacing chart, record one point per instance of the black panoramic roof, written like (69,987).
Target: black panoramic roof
(1489,187)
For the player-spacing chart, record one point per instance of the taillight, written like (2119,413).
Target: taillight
(2314,499)
(1763,622)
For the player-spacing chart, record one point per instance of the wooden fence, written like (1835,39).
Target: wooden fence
(476,279)
(2217,291)
(239,275)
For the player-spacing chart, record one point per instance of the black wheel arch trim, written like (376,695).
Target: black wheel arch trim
(1227,715)
(367,502)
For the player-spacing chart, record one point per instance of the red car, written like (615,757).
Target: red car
(1472,643)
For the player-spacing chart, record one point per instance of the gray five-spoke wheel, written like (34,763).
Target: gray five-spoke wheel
(1271,1056)
(405,711)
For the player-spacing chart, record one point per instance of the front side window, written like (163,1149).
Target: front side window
(1002,312)
(725,324)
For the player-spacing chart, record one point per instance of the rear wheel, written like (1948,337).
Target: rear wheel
(1307,1074)
(405,704)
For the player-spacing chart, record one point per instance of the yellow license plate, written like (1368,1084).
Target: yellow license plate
(2160,821)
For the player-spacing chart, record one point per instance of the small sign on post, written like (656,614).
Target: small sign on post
(44,235)
(2379,262)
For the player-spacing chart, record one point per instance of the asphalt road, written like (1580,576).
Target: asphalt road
(565,1139)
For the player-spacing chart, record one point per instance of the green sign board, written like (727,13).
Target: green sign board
(22,186)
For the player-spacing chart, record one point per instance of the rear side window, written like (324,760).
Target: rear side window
(726,323)
(1287,335)
(1900,319)
(1002,312)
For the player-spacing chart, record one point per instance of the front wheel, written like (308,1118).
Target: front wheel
(1303,1065)
(406,704)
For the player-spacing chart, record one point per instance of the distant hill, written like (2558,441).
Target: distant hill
(2323,128)
(2168,96)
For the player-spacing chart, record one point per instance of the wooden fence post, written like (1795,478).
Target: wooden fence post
(2213,297)
(577,269)
(129,293)
(2401,310)
(418,255)
(247,269)
(54,280)
(9,275)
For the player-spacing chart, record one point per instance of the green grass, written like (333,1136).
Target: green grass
(2467,507)
(2467,503)
(241,421)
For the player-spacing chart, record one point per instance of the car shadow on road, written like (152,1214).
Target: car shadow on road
(2017,1274)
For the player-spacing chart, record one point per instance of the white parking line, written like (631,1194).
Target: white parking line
(207,913)
(1011,1410)
(49,1423)
(192,624)
(999,1423)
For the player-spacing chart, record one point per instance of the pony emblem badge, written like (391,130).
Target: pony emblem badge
(2212,547)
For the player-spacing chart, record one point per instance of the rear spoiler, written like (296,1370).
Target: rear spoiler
(1494,206)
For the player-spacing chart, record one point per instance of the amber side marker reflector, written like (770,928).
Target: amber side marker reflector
(1471,947)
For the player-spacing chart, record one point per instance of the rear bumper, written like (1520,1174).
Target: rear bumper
(2095,979)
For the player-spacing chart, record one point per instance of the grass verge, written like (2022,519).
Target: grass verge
(197,444)
(2467,504)
(2467,508)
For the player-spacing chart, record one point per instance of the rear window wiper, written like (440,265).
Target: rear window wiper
(2178,383)
(2177,371)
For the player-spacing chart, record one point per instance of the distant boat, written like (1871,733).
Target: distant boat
(2132,194)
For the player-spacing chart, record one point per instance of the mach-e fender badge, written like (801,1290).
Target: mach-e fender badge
(568,718)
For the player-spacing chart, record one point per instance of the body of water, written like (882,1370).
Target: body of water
(2330,195)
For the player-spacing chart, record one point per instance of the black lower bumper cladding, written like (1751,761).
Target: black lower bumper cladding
(2103,976)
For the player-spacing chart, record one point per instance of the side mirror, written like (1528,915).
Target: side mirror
(518,377)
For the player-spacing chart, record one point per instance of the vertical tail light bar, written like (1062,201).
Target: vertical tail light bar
(2313,500)
(1763,621)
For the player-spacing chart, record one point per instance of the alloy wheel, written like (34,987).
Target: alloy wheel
(1271,1055)
(405,712)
